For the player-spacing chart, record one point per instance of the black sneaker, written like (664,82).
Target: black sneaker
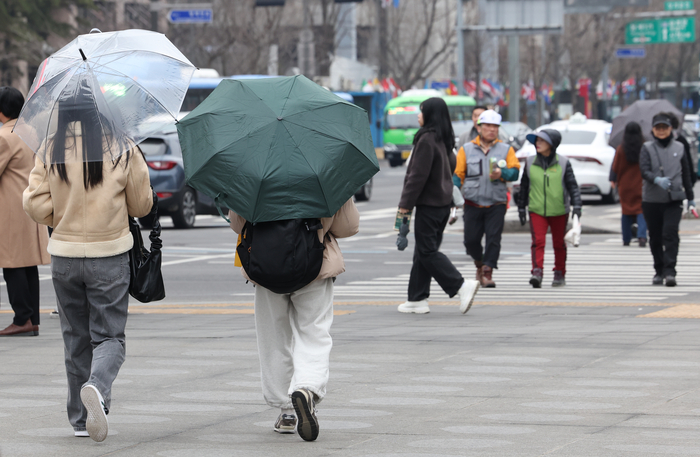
(658,280)
(536,279)
(670,281)
(304,405)
(286,423)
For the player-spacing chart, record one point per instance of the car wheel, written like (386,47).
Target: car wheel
(147,221)
(395,162)
(612,197)
(365,192)
(187,212)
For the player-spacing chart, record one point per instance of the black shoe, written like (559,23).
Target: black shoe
(559,280)
(307,424)
(536,279)
(670,281)
(642,242)
(658,280)
(625,243)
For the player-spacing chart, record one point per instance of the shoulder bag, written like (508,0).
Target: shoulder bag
(146,278)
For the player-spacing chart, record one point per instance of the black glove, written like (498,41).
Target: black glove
(401,240)
(154,208)
(576,212)
(522,214)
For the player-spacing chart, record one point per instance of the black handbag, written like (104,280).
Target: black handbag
(146,277)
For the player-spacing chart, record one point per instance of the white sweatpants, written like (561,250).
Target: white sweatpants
(294,341)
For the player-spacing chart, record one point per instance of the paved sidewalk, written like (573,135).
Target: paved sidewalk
(550,380)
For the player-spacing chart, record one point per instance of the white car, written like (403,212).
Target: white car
(585,142)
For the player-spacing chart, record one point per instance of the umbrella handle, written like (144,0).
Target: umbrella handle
(218,208)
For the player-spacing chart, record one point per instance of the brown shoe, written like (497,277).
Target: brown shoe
(486,280)
(24,330)
(479,271)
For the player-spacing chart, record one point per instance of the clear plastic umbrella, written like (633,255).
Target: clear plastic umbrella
(127,85)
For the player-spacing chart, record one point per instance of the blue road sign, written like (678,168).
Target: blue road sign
(630,53)
(193,16)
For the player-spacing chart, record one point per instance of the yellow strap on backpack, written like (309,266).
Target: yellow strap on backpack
(237,261)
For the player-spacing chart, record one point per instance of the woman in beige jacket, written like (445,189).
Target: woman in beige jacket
(293,330)
(87,201)
(22,241)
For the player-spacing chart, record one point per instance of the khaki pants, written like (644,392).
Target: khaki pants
(294,340)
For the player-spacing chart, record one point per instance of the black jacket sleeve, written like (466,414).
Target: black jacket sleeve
(686,148)
(524,192)
(645,165)
(572,186)
(687,182)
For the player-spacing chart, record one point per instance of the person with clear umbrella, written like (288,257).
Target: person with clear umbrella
(90,105)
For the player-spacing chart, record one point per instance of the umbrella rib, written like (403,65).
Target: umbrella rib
(288,94)
(325,199)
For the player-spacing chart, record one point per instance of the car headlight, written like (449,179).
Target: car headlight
(390,147)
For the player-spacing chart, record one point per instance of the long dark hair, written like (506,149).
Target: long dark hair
(436,118)
(96,137)
(632,141)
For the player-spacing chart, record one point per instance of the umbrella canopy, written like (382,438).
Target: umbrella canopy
(129,84)
(641,112)
(277,148)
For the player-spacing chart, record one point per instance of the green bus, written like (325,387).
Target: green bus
(401,120)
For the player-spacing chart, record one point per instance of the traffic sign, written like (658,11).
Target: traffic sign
(655,31)
(679,5)
(191,16)
(630,53)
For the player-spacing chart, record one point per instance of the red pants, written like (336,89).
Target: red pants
(538,230)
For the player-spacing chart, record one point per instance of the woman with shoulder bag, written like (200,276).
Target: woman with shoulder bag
(628,178)
(666,174)
(428,188)
(86,195)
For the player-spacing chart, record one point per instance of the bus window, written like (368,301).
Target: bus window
(402,117)
(460,112)
(194,97)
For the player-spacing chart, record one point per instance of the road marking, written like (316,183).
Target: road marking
(677,312)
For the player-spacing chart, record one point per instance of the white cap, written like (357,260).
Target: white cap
(489,117)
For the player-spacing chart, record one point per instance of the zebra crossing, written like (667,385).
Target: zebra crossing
(602,271)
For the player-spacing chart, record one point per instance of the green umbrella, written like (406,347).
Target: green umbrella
(277,148)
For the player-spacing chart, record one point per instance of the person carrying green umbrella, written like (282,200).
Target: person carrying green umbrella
(276,151)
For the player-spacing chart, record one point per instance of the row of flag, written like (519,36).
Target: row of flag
(385,85)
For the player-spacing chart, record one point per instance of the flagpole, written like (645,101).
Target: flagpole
(460,48)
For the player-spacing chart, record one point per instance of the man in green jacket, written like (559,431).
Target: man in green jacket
(548,187)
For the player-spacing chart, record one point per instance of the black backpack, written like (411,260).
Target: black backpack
(282,256)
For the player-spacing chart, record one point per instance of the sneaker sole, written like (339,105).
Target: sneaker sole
(670,283)
(96,424)
(469,305)
(416,311)
(535,283)
(284,431)
(307,425)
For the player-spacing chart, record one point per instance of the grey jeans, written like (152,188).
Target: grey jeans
(93,299)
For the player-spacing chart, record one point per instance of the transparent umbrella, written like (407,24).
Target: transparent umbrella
(128,84)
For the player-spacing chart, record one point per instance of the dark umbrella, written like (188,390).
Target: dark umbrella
(277,148)
(640,112)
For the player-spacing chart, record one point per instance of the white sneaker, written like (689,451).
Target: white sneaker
(416,307)
(96,423)
(82,434)
(467,293)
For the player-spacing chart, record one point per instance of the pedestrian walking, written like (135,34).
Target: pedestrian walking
(628,179)
(472,133)
(427,190)
(23,241)
(484,165)
(293,331)
(678,135)
(88,204)
(666,173)
(549,190)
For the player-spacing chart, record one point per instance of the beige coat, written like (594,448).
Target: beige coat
(343,224)
(89,223)
(22,241)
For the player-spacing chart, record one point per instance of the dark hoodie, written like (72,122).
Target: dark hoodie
(545,162)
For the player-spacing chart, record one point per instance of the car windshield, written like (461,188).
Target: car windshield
(402,117)
(153,147)
(577,137)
